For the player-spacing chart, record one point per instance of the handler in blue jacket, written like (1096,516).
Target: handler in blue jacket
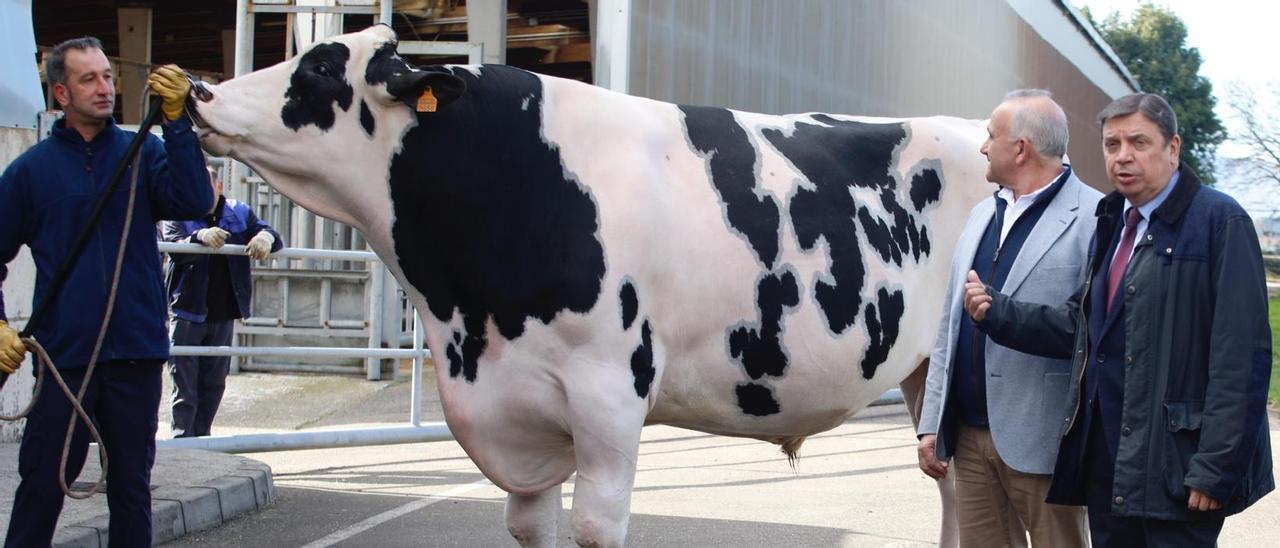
(45,196)
(207,294)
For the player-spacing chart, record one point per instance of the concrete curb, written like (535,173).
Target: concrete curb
(179,510)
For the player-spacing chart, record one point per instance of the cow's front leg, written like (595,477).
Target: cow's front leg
(606,440)
(532,519)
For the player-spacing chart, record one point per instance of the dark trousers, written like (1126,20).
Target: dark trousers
(122,400)
(1107,530)
(198,381)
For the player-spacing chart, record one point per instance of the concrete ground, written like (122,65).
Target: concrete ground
(857,485)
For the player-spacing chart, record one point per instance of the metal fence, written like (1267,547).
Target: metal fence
(412,432)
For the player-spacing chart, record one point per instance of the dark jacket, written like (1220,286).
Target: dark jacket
(45,196)
(188,273)
(1197,358)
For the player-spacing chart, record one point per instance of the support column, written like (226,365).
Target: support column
(611,43)
(229,52)
(487,24)
(134,27)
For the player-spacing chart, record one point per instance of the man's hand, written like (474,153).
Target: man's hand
(926,452)
(1198,501)
(260,246)
(12,351)
(976,299)
(171,84)
(213,236)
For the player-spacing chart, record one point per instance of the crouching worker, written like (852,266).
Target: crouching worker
(45,196)
(207,294)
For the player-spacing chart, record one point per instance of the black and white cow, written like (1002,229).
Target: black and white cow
(590,262)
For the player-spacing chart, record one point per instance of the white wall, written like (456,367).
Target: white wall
(18,288)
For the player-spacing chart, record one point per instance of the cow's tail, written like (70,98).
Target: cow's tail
(791,448)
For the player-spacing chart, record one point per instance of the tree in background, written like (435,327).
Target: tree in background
(1259,134)
(1153,45)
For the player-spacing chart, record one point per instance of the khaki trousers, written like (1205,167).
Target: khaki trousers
(987,490)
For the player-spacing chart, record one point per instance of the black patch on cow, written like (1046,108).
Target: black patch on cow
(760,350)
(366,118)
(384,64)
(464,352)
(882,329)
(453,352)
(926,188)
(318,82)
(755,215)
(487,224)
(630,305)
(642,362)
(756,399)
(836,156)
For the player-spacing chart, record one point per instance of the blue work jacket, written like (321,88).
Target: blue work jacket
(46,195)
(188,273)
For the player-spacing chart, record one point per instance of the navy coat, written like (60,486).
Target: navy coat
(48,192)
(188,273)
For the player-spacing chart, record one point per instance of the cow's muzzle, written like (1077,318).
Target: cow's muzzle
(199,93)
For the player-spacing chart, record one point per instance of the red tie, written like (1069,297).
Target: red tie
(1123,253)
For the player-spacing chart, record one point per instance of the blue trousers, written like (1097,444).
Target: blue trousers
(198,381)
(122,399)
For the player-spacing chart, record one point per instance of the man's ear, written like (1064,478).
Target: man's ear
(62,95)
(409,86)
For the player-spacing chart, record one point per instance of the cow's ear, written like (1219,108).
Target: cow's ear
(409,86)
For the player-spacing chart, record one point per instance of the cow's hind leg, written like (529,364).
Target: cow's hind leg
(532,519)
(913,395)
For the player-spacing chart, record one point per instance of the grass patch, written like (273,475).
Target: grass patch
(1273,395)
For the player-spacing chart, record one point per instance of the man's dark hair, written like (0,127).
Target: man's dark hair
(1152,106)
(55,64)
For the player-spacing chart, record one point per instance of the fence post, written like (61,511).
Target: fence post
(373,366)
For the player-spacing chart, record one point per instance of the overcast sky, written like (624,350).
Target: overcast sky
(1239,43)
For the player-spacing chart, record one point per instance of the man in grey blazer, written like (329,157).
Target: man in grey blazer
(994,411)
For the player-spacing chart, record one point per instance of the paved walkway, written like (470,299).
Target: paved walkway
(856,485)
(190,490)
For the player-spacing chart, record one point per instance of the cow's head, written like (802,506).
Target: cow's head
(322,127)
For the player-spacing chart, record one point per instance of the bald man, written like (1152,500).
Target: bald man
(996,412)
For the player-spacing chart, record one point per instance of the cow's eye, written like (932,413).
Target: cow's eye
(322,69)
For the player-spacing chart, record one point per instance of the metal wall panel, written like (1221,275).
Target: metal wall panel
(867,57)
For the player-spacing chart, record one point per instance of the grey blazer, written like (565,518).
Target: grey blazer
(1026,395)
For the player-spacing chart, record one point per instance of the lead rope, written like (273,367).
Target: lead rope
(43,362)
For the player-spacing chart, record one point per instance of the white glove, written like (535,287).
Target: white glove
(213,237)
(260,246)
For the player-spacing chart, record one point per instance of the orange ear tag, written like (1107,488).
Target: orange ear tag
(427,102)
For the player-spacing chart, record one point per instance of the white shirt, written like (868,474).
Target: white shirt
(1015,208)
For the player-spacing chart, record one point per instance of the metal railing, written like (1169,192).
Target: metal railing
(413,432)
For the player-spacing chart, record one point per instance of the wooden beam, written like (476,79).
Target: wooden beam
(134,27)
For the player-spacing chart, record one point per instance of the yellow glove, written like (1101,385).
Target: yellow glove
(171,84)
(260,246)
(12,351)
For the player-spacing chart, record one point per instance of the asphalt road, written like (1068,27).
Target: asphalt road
(856,485)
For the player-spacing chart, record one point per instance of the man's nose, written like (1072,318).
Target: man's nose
(1125,154)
